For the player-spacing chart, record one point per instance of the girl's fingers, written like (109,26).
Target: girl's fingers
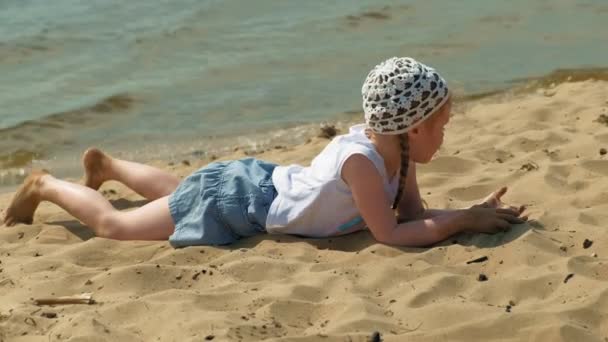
(511,219)
(489,202)
(510,207)
(483,205)
(507,212)
(518,210)
(498,194)
(502,224)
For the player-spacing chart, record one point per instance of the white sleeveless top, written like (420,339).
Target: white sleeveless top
(314,201)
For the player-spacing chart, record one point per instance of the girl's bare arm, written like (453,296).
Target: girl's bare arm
(368,192)
(411,206)
(366,185)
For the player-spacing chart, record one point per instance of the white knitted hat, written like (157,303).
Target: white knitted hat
(400,93)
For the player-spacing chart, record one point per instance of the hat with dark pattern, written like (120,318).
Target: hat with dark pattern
(400,93)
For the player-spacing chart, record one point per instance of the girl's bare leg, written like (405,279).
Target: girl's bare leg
(147,181)
(150,222)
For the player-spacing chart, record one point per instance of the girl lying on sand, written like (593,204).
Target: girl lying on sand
(363,179)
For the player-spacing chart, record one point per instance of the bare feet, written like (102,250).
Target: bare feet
(25,201)
(96,165)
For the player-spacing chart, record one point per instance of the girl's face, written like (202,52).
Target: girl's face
(426,139)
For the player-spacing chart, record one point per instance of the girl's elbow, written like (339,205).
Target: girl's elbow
(394,237)
(409,238)
(384,236)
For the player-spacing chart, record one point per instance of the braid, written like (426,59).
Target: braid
(405,160)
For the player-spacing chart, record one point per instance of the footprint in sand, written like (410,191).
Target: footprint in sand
(560,177)
(597,166)
(586,218)
(449,164)
(543,115)
(471,193)
(493,155)
(438,286)
(603,138)
(546,140)
(588,267)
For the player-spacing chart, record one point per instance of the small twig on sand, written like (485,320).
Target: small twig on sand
(551,238)
(85,298)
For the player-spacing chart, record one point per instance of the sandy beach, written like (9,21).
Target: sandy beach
(542,281)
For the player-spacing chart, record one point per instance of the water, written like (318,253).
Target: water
(153,79)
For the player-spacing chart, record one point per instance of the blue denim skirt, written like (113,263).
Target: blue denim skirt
(222,203)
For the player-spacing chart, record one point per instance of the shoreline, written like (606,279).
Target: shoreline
(65,161)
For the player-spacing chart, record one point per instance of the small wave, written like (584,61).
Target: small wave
(112,104)
(532,84)
(17,53)
(382,14)
(17,158)
(54,130)
(565,75)
(11,177)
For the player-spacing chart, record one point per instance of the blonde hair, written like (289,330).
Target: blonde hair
(405,162)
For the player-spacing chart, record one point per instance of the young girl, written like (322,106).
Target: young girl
(366,178)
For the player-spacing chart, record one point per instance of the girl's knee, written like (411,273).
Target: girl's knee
(110,226)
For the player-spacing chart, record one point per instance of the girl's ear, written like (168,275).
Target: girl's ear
(415,130)
(415,134)
(421,129)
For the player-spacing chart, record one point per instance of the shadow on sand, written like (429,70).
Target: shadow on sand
(347,243)
(83,232)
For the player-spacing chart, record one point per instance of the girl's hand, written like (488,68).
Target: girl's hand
(494,201)
(491,220)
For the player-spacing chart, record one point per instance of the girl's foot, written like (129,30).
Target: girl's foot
(96,165)
(26,200)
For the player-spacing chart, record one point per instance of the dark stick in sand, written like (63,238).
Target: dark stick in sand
(480,259)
